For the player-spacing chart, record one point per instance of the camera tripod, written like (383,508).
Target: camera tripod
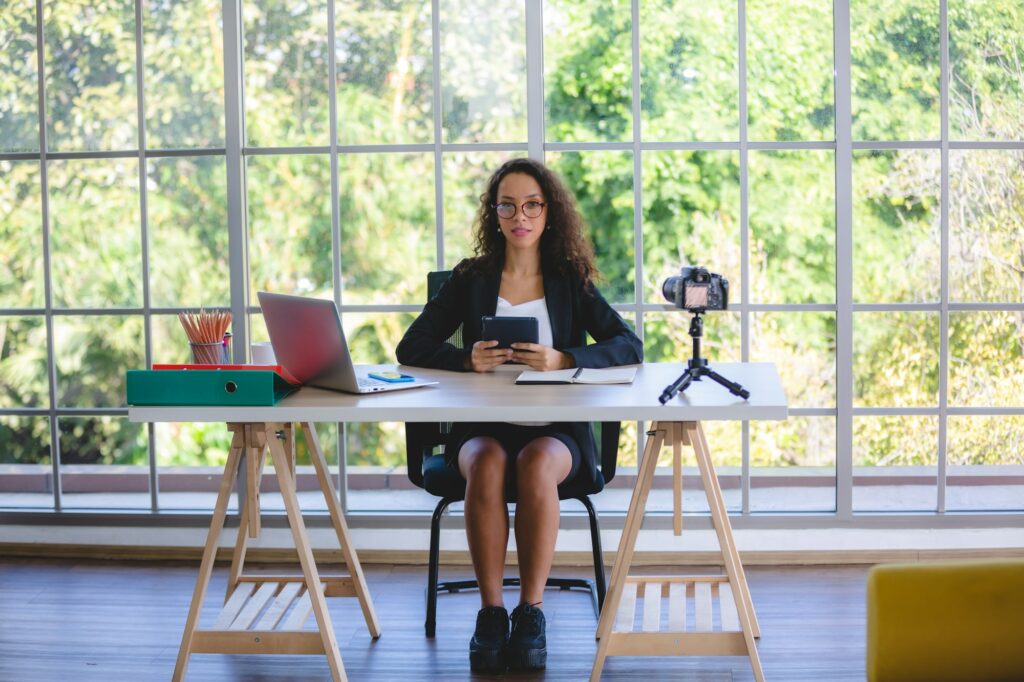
(697,367)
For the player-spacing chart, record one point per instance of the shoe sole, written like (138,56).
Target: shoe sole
(486,661)
(530,659)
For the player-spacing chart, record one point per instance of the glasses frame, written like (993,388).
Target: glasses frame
(520,207)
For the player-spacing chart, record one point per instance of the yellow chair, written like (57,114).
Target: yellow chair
(944,621)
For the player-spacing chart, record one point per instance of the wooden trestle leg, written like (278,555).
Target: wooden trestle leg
(737,627)
(341,529)
(267,613)
(209,554)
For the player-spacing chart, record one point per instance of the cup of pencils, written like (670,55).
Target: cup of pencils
(207,335)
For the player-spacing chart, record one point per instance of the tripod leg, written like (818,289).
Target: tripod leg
(733,387)
(676,386)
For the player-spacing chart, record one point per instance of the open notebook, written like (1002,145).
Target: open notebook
(579,375)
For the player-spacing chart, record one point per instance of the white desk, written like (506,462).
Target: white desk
(466,396)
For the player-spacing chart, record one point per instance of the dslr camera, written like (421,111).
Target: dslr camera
(697,290)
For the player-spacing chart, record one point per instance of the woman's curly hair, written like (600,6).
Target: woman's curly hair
(564,248)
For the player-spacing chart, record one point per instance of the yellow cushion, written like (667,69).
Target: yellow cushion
(943,621)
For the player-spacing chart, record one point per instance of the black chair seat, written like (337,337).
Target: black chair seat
(444,481)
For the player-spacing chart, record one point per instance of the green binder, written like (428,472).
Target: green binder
(206,387)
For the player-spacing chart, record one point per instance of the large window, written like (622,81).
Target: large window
(861,187)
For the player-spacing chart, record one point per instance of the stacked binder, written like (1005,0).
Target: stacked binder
(244,385)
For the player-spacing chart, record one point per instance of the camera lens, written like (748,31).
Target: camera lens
(670,287)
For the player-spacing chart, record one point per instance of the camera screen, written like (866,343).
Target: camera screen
(696,296)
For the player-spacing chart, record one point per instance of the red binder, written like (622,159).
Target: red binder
(285,374)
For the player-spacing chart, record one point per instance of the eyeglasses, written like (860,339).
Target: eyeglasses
(531,209)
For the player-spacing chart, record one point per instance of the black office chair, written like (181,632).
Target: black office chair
(428,470)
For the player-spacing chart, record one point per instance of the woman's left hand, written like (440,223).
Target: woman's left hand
(541,358)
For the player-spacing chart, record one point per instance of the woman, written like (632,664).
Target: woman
(532,260)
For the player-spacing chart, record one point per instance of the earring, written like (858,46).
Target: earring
(499,230)
(547,227)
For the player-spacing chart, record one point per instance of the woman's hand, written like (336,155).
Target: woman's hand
(485,357)
(541,358)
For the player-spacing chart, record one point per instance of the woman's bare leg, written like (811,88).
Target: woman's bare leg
(540,467)
(482,462)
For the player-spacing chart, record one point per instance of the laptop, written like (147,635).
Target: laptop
(309,342)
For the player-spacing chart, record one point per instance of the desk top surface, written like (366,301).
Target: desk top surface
(468,396)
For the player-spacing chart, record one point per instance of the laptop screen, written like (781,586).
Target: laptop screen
(306,334)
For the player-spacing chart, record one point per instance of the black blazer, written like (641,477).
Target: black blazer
(575,311)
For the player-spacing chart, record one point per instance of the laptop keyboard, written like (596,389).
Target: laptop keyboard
(366,382)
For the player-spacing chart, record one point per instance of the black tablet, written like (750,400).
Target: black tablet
(508,330)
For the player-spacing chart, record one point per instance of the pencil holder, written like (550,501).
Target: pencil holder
(207,353)
(208,336)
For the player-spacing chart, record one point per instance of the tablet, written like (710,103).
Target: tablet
(509,330)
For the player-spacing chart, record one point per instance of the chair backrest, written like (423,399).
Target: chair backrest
(422,438)
(435,280)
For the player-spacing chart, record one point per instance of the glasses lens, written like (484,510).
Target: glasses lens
(505,210)
(532,209)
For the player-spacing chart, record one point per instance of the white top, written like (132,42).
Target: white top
(536,308)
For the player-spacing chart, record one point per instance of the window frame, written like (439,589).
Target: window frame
(235,152)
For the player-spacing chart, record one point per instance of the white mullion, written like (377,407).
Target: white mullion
(332,104)
(201,151)
(1006,145)
(985,411)
(103,154)
(122,154)
(844,260)
(940,500)
(937,306)
(147,319)
(535,79)
(66,411)
(895,307)
(51,374)
(933,411)
(800,145)
(588,146)
(435,41)
(20,156)
(812,412)
(877,145)
(638,206)
(290,151)
(485,147)
(234,171)
(741,11)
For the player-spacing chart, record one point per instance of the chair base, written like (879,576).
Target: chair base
(454,586)
(596,588)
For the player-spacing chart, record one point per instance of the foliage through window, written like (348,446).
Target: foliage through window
(426,106)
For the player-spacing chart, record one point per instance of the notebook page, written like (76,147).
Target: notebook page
(609,375)
(560,376)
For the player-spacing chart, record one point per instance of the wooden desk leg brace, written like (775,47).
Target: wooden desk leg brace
(265,614)
(737,622)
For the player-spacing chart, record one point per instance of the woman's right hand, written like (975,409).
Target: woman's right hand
(486,357)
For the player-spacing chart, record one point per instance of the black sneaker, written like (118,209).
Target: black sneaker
(527,646)
(489,640)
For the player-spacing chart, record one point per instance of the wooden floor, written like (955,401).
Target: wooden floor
(122,622)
